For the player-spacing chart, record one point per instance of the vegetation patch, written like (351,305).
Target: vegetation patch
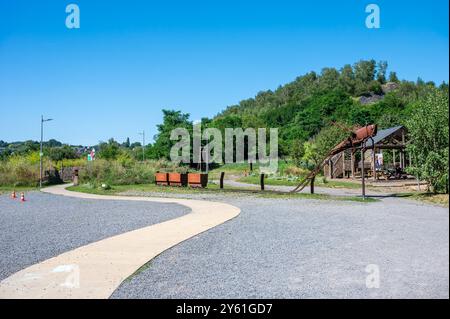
(212,189)
(294,181)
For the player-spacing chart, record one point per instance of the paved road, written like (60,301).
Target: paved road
(307,249)
(48,225)
(275,248)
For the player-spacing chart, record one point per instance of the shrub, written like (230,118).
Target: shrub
(429,141)
(22,170)
(294,171)
(123,172)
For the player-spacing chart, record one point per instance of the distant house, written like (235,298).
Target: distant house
(347,163)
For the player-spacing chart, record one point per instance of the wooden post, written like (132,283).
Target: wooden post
(363,181)
(352,160)
(403,159)
(374,165)
(343,164)
(403,150)
(251,166)
(222,175)
(262,181)
(331,167)
(393,157)
(312,184)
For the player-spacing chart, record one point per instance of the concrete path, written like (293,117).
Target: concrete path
(97,269)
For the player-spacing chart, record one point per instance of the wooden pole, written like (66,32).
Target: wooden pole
(312,184)
(262,181)
(352,160)
(403,151)
(374,165)
(363,182)
(393,157)
(343,164)
(331,167)
(222,175)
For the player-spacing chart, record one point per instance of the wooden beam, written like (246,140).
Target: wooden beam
(343,164)
(331,167)
(363,179)
(352,162)
(403,152)
(374,169)
(390,146)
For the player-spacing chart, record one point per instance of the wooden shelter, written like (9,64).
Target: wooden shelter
(345,164)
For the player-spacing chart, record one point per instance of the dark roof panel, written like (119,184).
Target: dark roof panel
(382,134)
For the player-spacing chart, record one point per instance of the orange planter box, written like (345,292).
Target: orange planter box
(178,179)
(161,179)
(197,180)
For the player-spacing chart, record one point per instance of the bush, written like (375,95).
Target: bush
(123,172)
(429,141)
(21,170)
(294,171)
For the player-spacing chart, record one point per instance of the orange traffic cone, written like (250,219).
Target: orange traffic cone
(22,197)
(13,195)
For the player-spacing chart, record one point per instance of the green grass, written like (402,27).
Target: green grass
(240,168)
(9,189)
(214,189)
(117,189)
(284,182)
(439,199)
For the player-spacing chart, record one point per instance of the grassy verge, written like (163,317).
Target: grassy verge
(214,189)
(238,169)
(284,182)
(152,188)
(439,199)
(9,189)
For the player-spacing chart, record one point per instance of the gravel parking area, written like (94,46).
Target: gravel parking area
(47,225)
(279,248)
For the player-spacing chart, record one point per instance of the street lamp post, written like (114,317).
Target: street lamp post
(143,145)
(41,151)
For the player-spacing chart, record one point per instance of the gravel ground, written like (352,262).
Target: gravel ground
(47,225)
(317,189)
(306,249)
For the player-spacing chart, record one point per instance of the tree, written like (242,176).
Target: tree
(381,71)
(171,120)
(328,79)
(317,148)
(347,79)
(60,153)
(53,143)
(393,77)
(297,152)
(135,144)
(109,150)
(126,144)
(364,74)
(429,142)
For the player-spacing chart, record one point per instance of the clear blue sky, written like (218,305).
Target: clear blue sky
(130,59)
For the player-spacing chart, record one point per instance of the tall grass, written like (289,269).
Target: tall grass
(119,172)
(21,170)
(24,170)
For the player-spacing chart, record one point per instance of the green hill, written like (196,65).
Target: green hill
(300,109)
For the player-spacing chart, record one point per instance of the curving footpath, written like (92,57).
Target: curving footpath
(97,269)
